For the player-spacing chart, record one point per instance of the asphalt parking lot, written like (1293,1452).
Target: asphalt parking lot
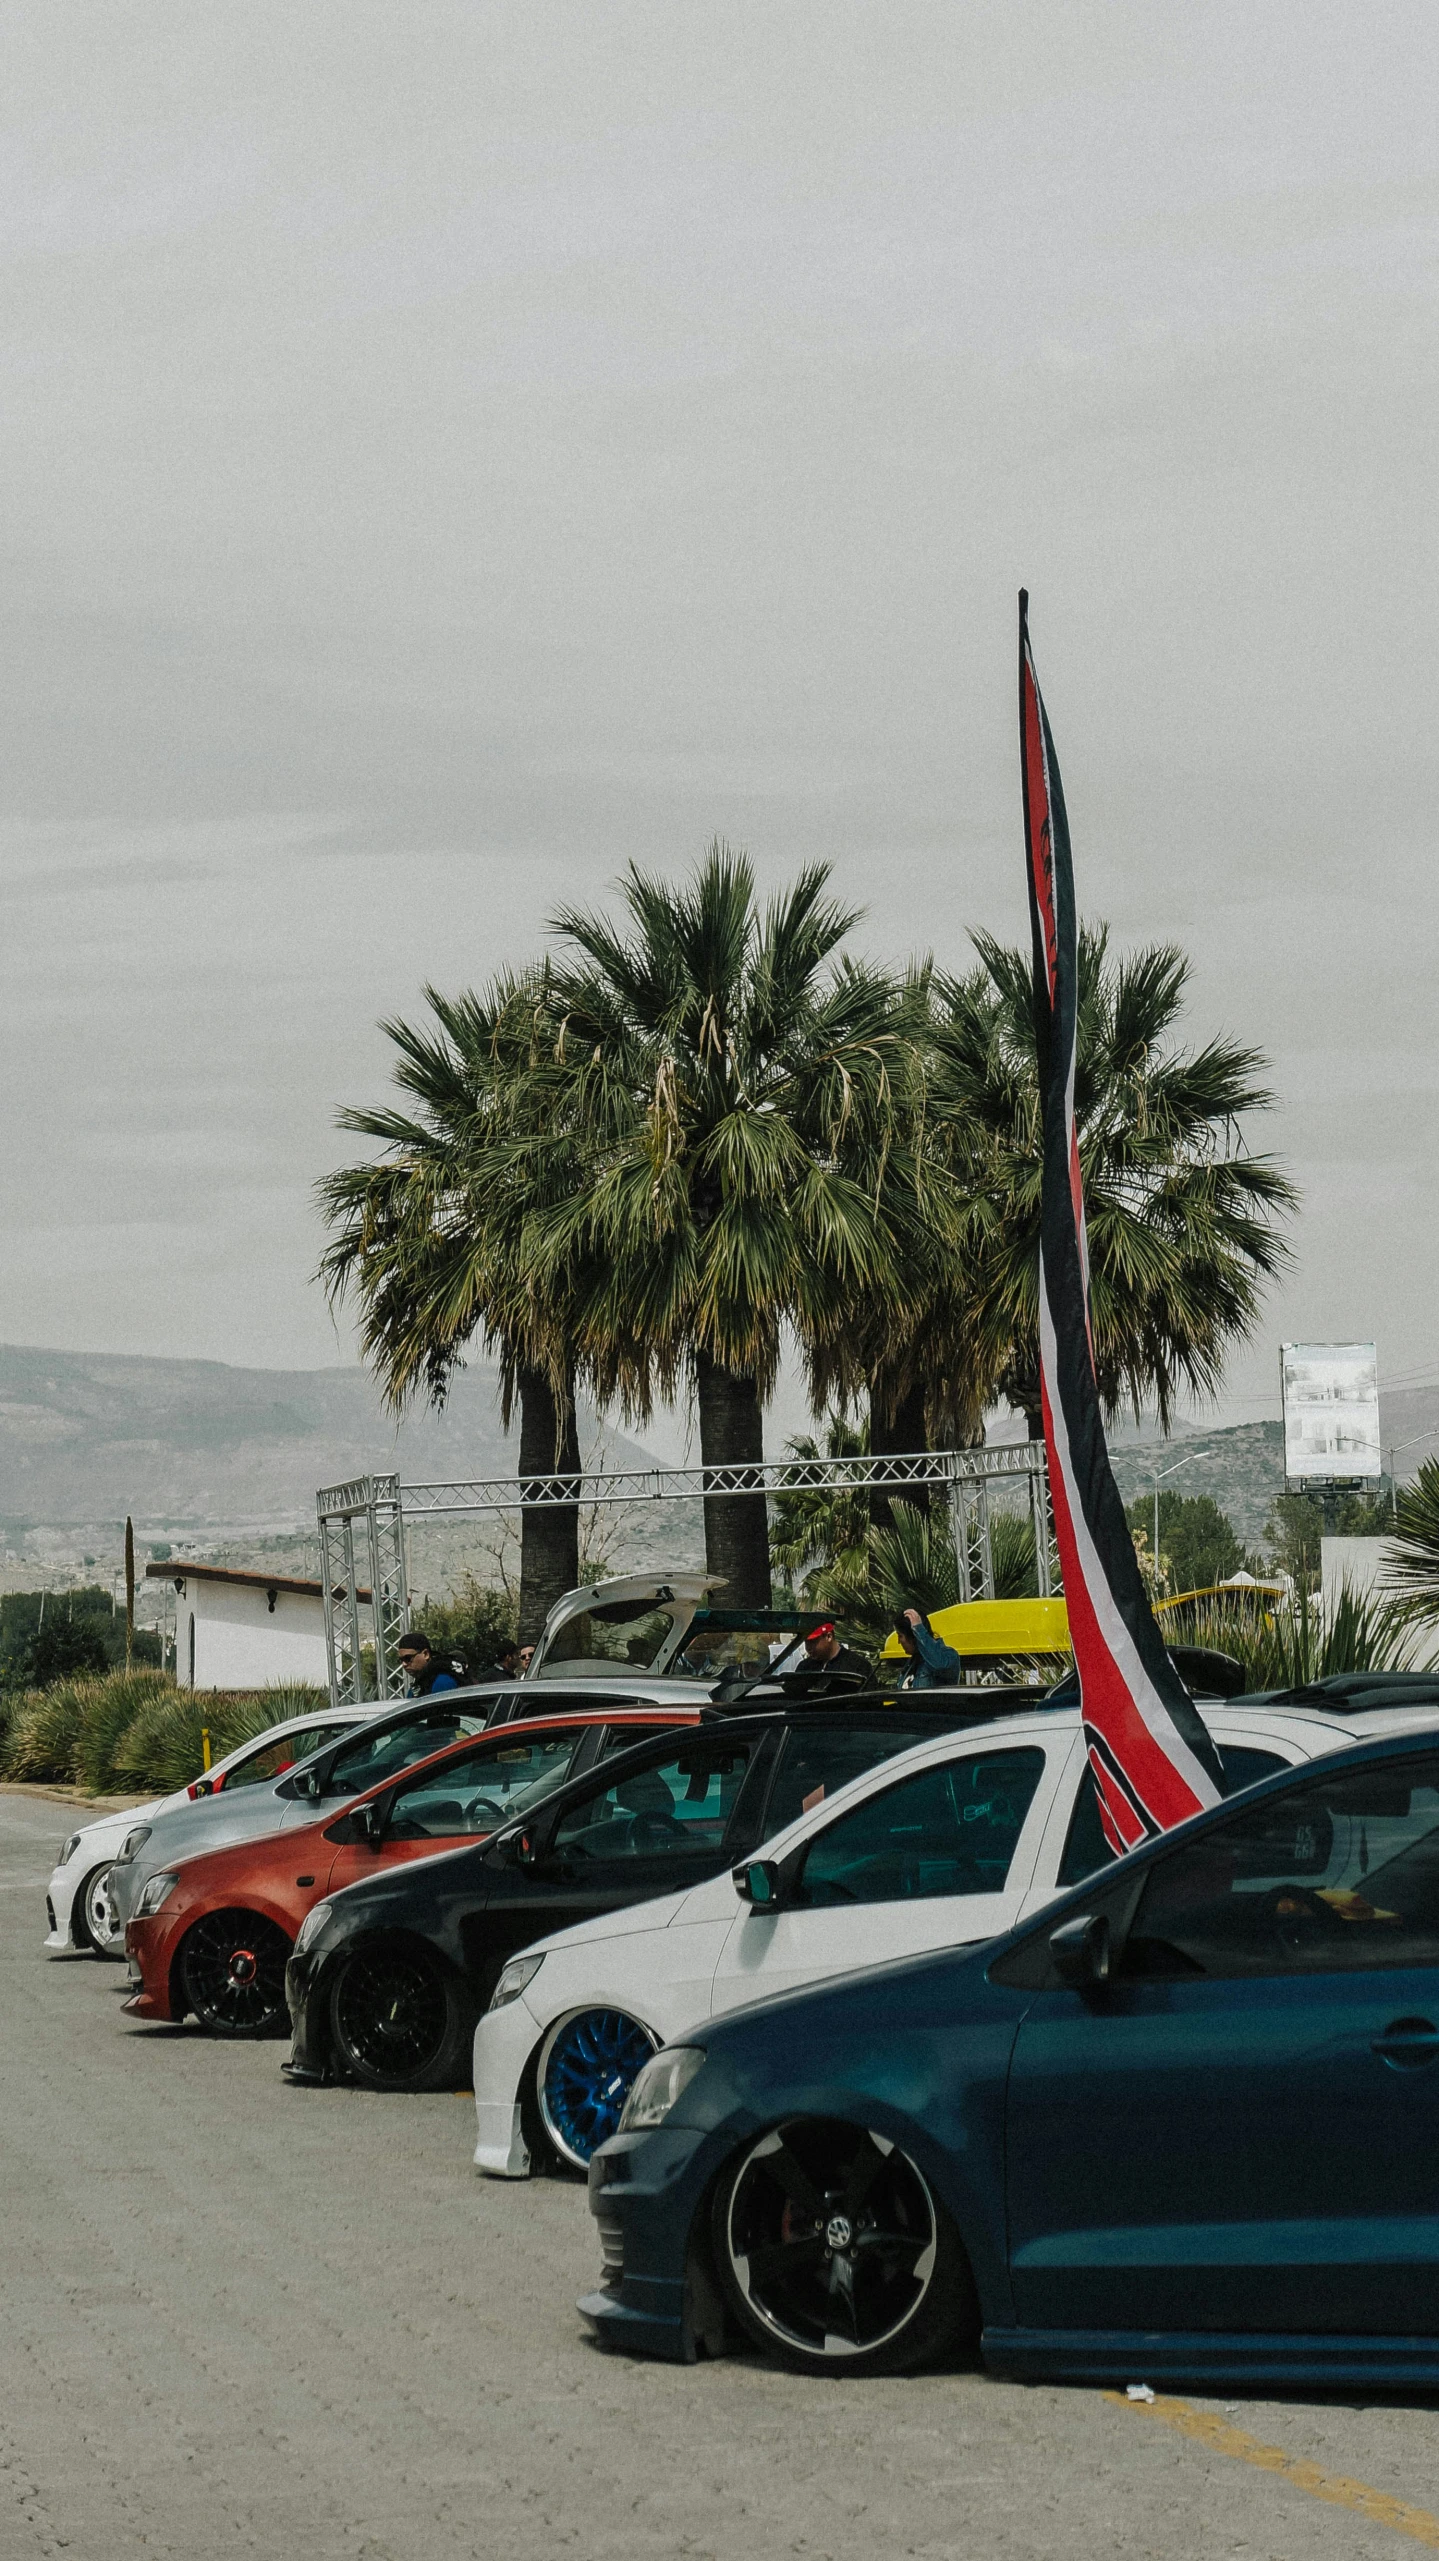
(239,2318)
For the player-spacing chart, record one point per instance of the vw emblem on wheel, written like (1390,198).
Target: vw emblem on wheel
(838,2232)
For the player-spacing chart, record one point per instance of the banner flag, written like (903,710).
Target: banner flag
(1152,1759)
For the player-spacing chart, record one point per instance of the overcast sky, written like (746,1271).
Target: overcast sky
(449,450)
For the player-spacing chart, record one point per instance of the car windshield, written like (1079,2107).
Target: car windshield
(479,1790)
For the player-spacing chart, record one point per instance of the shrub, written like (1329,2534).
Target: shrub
(45,1730)
(163,1748)
(110,1708)
(135,1729)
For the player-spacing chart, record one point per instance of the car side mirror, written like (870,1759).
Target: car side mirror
(758,1882)
(1080,1951)
(519,1847)
(369,1822)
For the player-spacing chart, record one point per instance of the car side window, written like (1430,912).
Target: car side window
(815,1765)
(1086,1850)
(371,1757)
(1339,1875)
(274,1758)
(682,1803)
(479,1790)
(951,1829)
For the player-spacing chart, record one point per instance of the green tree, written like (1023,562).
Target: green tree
(1196,1539)
(1299,1522)
(1182,1219)
(811,1530)
(727,1068)
(430,1238)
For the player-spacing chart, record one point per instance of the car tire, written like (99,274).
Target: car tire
(835,2254)
(583,2074)
(399,2021)
(92,1915)
(231,1973)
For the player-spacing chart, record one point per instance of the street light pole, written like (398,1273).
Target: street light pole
(1160,1476)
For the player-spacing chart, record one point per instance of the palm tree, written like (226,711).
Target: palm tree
(1182,1219)
(430,1239)
(1412,1563)
(722,1062)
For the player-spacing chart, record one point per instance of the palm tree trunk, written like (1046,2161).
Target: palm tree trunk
(549,1539)
(896,1426)
(736,1525)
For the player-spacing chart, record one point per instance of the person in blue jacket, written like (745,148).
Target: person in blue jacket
(426,1670)
(933,1665)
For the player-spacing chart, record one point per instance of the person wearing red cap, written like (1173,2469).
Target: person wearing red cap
(823,1652)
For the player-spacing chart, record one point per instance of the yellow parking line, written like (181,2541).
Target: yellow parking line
(1334,2487)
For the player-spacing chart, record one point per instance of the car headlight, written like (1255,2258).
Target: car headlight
(133,1843)
(662,2081)
(158,1891)
(311,1926)
(520,1971)
(69,1850)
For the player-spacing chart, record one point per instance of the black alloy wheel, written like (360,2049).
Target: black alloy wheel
(232,1973)
(836,2255)
(398,2022)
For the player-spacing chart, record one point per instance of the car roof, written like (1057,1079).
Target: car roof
(657,1717)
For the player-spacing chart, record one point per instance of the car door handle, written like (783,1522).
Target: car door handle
(1407,2044)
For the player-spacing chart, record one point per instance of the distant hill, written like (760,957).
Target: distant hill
(88,1437)
(1242,1469)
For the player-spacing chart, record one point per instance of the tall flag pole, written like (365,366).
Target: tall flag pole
(1152,1760)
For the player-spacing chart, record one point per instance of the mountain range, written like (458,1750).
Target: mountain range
(90,1436)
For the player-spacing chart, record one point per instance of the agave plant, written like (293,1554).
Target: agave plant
(1301,1641)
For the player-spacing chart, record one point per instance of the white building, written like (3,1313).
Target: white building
(236,1631)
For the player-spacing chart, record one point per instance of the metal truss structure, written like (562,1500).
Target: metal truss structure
(369,1512)
(370,1506)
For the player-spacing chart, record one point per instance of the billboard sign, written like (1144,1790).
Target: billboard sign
(1331,1412)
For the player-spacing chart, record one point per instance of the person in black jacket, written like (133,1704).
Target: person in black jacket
(823,1652)
(425,1670)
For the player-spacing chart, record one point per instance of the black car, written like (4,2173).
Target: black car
(389,1977)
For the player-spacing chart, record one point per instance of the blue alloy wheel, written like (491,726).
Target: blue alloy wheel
(586,2069)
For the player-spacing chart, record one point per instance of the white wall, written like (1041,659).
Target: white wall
(1359,1562)
(241,1644)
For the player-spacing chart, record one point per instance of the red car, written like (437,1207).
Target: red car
(213,1933)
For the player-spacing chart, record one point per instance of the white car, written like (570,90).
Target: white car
(951,1842)
(78,1905)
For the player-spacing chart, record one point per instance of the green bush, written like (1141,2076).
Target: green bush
(135,1730)
(109,1709)
(164,1747)
(45,1730)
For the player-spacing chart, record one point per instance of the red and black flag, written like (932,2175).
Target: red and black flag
(1152,1760)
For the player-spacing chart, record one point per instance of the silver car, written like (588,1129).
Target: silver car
(387,1742)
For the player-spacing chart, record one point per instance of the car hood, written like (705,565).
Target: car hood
(211,1823)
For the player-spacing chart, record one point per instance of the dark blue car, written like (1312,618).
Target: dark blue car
(1186,2126)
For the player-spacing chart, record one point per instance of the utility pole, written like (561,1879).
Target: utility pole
(129,1592)
(1159,1474)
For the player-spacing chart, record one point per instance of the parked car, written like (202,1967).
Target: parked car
(389,1976)
(394,1737)
(953,1843)
(213,1932)
(78,1901)
(1182,2128)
